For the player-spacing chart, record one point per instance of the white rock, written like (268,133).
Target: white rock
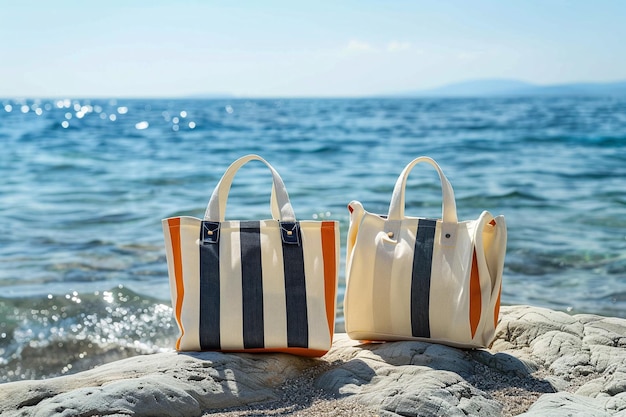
(537,352)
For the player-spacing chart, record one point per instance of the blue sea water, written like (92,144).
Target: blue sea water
(85,183)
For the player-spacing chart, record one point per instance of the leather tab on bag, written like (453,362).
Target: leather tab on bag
(210,232)
(290,232)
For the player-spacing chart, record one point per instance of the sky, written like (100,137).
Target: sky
(323,48)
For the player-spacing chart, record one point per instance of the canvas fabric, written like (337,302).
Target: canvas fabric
(411,278)
(253,286)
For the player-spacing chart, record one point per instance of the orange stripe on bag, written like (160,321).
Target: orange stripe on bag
(496,310)
(174,225)
(475,296)
(330,273)
(312,353)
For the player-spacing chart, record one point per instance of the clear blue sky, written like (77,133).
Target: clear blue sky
(265,48)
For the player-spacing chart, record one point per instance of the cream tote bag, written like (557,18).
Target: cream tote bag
(415,278)
(253,286)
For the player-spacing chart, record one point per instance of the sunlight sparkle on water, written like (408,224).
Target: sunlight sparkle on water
(107,296)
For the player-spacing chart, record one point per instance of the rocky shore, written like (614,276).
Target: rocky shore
(542,363)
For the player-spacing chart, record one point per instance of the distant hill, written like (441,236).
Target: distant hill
(504,87)
(211,96)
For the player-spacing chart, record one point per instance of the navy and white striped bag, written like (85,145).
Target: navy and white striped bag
(412,278)
(253,286)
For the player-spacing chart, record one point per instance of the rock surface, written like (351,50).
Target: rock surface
(542,363)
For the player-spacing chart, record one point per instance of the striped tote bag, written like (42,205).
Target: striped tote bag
(411,278)
(253,286)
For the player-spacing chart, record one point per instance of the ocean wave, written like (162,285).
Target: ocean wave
(41,337)
(543,261)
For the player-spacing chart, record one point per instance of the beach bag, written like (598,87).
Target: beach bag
(253,286)
(411,278)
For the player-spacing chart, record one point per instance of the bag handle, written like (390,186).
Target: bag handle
(448,207)
(279,200)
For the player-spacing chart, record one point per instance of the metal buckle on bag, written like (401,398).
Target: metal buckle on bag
(290,232)
(210,232)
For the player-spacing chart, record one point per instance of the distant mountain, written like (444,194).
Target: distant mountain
(211,96)
(503,87)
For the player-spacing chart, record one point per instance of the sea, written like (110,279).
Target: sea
(84,184)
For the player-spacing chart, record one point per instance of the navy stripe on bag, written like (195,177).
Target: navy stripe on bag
(420,281)
(252,284)
(295,287)
(209,293)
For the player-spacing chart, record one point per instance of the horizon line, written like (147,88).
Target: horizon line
(423,93)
